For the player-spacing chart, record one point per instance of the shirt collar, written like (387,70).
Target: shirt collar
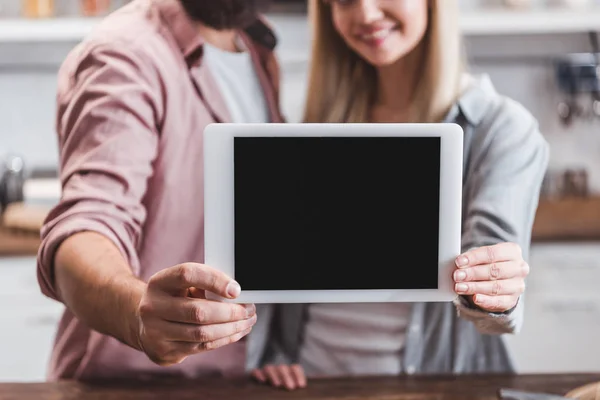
(475,99)
(182,28)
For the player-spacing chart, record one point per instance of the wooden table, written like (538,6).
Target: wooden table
(402,388)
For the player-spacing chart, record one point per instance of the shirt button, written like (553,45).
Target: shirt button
(416,328)
(411,369)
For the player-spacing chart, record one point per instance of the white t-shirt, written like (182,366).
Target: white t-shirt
(355,339)
(239,84)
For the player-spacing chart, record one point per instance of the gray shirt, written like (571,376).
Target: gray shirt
(505,159)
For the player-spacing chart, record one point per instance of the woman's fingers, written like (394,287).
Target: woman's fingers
(290,377)
(492,272)
(259,375)
(489,255)
(273,375)
(492,288)
(299,375)
(287,377)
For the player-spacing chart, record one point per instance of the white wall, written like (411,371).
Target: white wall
(520,67)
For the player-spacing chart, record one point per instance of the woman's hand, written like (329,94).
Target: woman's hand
(290,377)
(493,275)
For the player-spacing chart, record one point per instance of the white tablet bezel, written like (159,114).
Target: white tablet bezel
(219,206)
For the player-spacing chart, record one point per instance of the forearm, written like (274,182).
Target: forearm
(97,285)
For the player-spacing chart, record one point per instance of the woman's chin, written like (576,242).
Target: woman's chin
(380,60)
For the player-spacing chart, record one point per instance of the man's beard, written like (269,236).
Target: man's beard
(224,14)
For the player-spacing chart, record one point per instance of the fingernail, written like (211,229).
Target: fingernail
(479,301)
(462,261)
(234,289)
(460,276)
(250,310)
(461,287)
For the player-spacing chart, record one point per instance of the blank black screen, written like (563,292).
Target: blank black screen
(331,213)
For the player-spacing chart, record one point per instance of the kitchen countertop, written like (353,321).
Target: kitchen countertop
(404,388)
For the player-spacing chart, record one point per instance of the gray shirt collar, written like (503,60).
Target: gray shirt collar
(474,100)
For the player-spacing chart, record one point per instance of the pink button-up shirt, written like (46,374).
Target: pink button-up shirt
(133,101)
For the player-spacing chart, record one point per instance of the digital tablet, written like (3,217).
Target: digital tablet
(326,213)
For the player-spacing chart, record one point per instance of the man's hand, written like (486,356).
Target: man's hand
(290,377)
(494,276)
(176,320)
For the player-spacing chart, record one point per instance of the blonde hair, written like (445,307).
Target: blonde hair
(342,86)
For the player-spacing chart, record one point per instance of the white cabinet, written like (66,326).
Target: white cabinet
(561,332)
(28,322)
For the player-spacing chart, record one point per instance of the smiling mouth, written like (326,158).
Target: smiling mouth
(376,38)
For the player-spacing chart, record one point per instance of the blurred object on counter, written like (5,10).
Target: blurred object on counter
(26,197)
(551,185)
(23,237)
(574,4)
(33,188)
(40,191)
(578,79)
(567,210)
(569,110)
(518,4)
(12,178)
(576,183)
(560,184)
(38,8)
(95,8)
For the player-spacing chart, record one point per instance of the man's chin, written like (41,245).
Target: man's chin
(225,14)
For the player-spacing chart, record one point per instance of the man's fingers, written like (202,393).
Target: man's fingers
(196,293)
(259,375)
(495,303)
(273,375)
(209,346)
(291,377)
(494,288)
(492,272)
(299,375)
(489,255)
(180,278)
(192,333)
(196,311)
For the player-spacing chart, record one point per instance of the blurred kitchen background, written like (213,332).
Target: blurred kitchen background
(543,53)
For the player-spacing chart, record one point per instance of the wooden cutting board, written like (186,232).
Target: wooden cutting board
(18,244)
(20,229)
(25,218)
(567,219)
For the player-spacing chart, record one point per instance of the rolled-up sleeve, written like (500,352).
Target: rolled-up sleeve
(508,160)
(108,137)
